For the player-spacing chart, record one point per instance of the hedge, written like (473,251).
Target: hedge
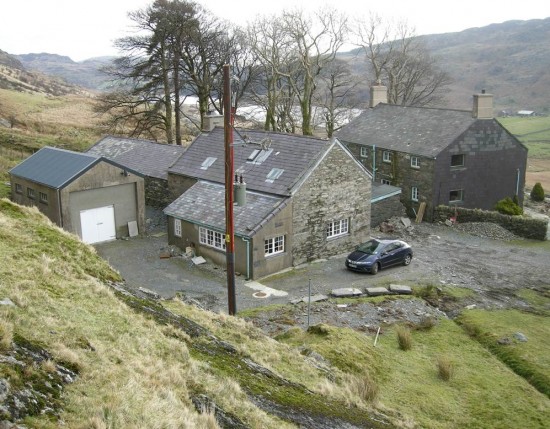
(535,229)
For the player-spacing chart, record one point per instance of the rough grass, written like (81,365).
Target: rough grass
(530,359)
(131,373)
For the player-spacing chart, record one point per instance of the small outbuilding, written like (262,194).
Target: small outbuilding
(88,195)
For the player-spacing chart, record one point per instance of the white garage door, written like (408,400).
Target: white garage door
(98,224)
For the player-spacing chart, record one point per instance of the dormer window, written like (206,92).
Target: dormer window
(258,156)
(274,174)
(208,162)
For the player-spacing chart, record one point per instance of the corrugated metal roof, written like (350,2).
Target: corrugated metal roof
(204,204)
(149,158)
(54,167)
(416,130)
(293,154)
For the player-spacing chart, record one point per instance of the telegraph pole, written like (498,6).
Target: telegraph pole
(229,224)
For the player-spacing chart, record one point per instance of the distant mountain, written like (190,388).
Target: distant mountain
(85,73)
(15,76)
(510,60)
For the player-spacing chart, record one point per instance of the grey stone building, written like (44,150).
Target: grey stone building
(91,196)
(149,158)
(305,199)
(438,156)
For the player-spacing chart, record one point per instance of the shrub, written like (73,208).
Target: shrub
(364,387)
(445,368)
(508,207)
(537,193)
(404,338)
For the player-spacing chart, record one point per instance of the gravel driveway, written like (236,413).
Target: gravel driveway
(493,268)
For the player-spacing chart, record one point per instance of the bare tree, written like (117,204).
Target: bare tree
(270,46)
(395,55)
(315,41)
(336,97)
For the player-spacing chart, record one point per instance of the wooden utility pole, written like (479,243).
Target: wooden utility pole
(229,224)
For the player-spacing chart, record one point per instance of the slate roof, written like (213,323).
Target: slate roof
(149,158)
(416,130)
(204,204)
(381,191)
(293,154)
(55,167)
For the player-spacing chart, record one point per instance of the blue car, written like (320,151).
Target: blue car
(372,256)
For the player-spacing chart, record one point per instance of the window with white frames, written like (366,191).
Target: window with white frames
(387,156)
(415,162)
(18,188)
(414,193)
(212,238)
(456,196)
(43,197)
(274,245)
(337,228)
(457,160)
(30,193)
(177,227)
(364,152)
(385,182)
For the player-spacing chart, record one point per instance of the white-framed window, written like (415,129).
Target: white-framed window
(177,227)
(385,182)
(274,245)
(415,162)
(30,193)
(337,228)
(387,156)
(18,188)
(43,197)
(364,152)
(456,196)
(212,238)
(414,193)
(457,160)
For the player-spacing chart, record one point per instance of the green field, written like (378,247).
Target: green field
(534,132)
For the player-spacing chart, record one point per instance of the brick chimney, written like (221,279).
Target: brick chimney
(483,106)
(378,94)
(212,120)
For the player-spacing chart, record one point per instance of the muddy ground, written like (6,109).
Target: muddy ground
(485,265)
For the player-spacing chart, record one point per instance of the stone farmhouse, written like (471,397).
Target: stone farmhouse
(88,195)
(301,199)
(438,156)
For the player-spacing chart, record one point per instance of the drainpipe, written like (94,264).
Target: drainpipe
(517,183)
(60,209)
(374,163)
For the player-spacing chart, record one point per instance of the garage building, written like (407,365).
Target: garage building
(88,195)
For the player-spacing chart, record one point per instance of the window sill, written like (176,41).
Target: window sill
(274,255)
(336,237)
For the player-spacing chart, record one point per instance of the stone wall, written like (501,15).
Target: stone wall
(156,192)
(385,209)
(337,189)
(535,229)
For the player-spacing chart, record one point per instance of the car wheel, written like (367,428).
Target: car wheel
(407,259)
(374,269)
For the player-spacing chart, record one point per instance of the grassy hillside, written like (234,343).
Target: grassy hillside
(534,132)
(143,364)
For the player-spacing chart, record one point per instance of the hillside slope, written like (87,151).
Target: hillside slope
(77,349)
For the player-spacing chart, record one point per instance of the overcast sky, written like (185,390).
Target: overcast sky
(83,29)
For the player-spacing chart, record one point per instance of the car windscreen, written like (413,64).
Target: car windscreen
(371,247)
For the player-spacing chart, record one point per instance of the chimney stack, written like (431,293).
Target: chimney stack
(212,120)
(483,106)
(378,94)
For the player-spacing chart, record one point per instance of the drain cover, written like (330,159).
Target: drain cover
(259,295)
